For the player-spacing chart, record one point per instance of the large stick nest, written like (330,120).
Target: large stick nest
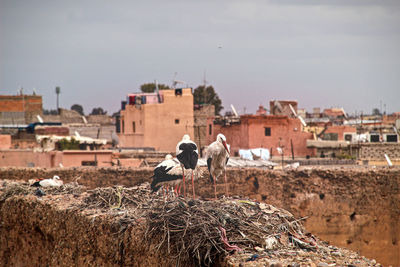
(10,189)
(206,231)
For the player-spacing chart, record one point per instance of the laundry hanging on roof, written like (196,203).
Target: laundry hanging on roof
(132,99)
(250,154)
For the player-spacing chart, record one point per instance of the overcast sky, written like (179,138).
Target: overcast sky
(322,53)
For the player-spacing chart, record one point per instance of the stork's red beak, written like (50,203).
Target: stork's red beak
(226,147)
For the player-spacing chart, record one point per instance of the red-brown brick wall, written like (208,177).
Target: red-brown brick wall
(28,103)
(250,133)
(340,130)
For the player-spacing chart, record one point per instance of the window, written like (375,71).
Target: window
(123,125)
(267,131)
(348,137)
(88,163)
(210,129)
(374,138)
(133,127)
(391,138)
(178,91)
(176,121)
(330,137)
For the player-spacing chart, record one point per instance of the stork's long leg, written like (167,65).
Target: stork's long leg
(226,184)
(167,191)
(183,180)
(215,187)
(194,195)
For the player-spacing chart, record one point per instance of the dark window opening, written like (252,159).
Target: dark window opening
(391,138)
(178,91)
(267,131)
(176,121)
(123,126)
(374,138)
(209,129)
(88,163)
(133,127)
(348,137)
(330,137)
(118,124)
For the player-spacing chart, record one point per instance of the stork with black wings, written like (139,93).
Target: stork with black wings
(167,173)
(188,155)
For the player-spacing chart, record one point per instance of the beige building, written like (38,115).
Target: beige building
(156,120)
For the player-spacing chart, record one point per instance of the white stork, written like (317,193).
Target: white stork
(188,155)
(217,157)
(55,181)
(168,172)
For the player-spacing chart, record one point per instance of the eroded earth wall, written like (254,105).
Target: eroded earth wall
(354,208)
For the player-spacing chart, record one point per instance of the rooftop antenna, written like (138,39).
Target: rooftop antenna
(204,80)
(234,110)
(173,80)
(156,83)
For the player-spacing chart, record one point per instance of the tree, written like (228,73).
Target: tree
(207,95)
(98,111)
(116,114)
(78,108)
(376,112)
(151,87)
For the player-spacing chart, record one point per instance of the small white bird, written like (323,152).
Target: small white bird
(217,157)
(55,181)
(188,155)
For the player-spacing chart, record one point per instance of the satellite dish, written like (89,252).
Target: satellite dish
(277,105)
(389,162)
(302,121)
(292,109)
(77,134)
(39,118)
(84,120)
(234,110)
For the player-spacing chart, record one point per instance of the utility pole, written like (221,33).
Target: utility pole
(58,91)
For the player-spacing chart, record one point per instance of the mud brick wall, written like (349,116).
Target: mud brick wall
(376,151)
(69,236)
(354,208)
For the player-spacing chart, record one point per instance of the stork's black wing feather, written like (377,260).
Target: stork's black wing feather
(161,175)
(37,184)
(187,146)
(188,158)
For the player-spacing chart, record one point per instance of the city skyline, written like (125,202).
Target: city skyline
(330,54)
